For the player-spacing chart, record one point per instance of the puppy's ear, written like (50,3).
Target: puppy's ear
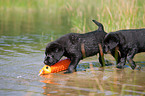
(59,51)
(113,44)
(112,40)
(55,47)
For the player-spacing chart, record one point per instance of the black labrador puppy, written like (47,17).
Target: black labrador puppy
(75,47)
(129,42)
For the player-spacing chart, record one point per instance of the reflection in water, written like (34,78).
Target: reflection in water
(48,79)
(96,81)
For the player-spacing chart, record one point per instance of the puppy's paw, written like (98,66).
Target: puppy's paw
(133,66)
(138,67)
(120,66)
(68,71)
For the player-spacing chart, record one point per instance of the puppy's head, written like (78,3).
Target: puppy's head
(111,40)
(53,53)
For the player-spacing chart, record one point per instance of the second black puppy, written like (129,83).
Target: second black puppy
(129,42)
(75,46)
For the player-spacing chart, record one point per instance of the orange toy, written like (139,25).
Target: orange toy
(59,66)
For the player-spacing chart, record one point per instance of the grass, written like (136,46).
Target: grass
(74,15)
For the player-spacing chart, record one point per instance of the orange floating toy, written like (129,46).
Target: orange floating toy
(59,66)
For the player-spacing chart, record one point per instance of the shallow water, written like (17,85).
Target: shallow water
(21,58)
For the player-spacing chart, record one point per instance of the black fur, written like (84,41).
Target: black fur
(129,42)
(69,45)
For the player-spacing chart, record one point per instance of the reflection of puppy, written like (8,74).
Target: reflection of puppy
(129,43)
(75,46)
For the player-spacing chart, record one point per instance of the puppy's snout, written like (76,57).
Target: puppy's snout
(45,62)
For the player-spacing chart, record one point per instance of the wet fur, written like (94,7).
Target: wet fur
(129,43)
(70,44)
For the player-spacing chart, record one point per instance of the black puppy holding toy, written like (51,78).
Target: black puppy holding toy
(128,43)
(75,47)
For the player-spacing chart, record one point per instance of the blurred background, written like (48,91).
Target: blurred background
(26,26)
(20,17)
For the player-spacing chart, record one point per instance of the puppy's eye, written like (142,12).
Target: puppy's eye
(49,56)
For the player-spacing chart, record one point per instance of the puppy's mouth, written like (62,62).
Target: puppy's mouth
(49,64)
(52,63)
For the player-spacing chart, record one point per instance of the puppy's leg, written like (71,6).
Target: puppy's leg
(101,56)
(122,61)
(101,60)
(72,66)
(116,55)
(130,58)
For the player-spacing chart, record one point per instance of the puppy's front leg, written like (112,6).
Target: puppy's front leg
(122,62)
(101,60)
(72,66)
(130,58)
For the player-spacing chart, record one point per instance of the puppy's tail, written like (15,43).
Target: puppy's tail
(100,26)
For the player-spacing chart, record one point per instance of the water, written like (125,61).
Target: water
(21,58)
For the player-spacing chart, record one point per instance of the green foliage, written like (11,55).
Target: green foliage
(75,14)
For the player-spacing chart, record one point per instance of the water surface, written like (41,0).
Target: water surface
(21,58)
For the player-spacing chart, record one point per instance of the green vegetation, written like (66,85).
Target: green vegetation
(75,15)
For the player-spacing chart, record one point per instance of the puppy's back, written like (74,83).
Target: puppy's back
(133,36)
